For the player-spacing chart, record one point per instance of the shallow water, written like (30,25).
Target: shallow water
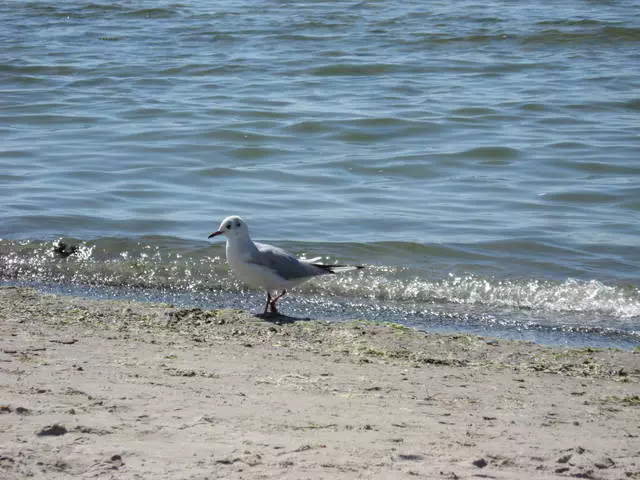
(480,158)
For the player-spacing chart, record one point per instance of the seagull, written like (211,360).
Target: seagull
(266,266)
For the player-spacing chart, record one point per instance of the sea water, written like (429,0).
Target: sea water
(482,159)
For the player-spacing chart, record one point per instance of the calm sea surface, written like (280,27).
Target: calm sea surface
(481,158)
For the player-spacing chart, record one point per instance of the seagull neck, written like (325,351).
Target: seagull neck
(243,244)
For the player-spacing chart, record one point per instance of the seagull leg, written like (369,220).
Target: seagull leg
(272,303)
(266,307)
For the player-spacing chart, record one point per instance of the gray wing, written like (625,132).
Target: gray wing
(284,264)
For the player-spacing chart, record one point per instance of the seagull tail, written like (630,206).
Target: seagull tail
(339,268)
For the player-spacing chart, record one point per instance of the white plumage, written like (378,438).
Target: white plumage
(265,266)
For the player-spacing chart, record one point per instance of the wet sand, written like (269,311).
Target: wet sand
(117,389)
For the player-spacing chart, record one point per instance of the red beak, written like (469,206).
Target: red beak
(214,234)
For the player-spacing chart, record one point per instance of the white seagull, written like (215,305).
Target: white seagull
(266,266)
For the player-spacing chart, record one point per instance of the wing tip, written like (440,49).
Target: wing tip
(339,268)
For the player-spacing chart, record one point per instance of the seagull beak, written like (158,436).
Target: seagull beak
(215,234)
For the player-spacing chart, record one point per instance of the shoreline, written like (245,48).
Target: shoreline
(147,390)
(546,335)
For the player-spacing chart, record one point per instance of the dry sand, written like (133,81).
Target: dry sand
(126,390)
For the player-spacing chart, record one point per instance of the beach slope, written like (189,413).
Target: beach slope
(117,389)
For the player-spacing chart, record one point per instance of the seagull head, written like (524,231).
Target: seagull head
(232,227)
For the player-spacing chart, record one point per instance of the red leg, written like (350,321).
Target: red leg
(272,303)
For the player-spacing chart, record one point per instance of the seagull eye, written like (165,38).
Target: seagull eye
(228,226)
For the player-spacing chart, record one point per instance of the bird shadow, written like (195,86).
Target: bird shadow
(279,318)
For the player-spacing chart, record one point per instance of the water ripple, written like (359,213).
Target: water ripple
(494,142)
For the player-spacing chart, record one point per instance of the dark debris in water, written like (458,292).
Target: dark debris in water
(64,250)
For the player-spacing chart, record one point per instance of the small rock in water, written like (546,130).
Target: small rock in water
(64,250)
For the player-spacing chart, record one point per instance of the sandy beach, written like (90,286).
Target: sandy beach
(128,390)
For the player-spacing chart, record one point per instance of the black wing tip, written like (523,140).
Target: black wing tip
(324,267)
(329,268)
